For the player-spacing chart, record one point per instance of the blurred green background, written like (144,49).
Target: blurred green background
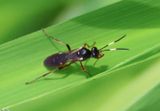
(20,17)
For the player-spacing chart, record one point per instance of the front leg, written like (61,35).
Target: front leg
(98,59)
(84,69)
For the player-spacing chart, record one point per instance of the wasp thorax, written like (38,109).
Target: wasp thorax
(84,53)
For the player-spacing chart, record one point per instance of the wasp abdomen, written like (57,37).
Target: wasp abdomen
(55,60)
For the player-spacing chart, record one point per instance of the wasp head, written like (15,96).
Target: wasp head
(96,53)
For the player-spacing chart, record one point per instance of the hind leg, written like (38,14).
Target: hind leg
(57,40)
(43,75)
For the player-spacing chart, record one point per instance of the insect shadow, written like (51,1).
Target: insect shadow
(75,70)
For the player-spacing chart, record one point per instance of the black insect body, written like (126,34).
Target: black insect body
(64,59)
(57,60)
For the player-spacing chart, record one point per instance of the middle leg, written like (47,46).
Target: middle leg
(89,46)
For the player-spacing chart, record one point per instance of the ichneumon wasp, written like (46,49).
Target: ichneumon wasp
(65,59)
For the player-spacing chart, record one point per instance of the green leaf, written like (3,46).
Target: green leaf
(130,88)
(122,80)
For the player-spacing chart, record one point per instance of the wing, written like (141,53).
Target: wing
(55,60)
